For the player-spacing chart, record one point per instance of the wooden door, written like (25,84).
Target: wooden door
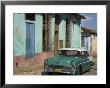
(30,39)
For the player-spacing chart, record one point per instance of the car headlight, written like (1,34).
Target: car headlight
(46,67)
(45,61)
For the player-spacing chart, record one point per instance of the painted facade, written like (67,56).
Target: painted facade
(89,40)
(42,33)
(76,34)
(19,35)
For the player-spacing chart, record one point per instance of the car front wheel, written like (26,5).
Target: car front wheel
(78,70)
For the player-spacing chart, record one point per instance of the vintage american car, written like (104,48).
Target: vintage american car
(68,61)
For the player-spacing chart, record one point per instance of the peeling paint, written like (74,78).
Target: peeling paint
(20,33)
(76,34)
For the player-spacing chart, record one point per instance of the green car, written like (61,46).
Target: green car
(68,61)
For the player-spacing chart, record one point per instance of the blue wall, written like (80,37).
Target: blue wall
(20,33)
(62,30)
(19,43)
(38,33)
(76,34)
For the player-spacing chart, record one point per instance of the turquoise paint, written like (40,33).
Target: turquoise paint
(38,33)
(76,34)
(19,35)
(70,62)
(62,30)
(52,29)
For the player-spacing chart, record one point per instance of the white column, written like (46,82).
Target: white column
(89,43)
(85,41)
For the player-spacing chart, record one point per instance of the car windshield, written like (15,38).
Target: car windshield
(73,53)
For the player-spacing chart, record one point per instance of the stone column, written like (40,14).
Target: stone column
(89,43)
(85,45)
(52,30)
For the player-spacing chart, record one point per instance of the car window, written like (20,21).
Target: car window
(67,52)
(62,52)
(84,53)
(73,53)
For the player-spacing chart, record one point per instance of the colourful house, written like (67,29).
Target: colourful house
(36,33)
(89,40)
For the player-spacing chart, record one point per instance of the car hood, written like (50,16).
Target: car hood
(63,60)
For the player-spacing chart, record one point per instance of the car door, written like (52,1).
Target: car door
(85,64)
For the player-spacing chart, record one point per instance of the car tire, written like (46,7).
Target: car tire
(79,70)
(92,63)
(44,73)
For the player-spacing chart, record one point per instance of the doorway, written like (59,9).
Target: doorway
(30,39)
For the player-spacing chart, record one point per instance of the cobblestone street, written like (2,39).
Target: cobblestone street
(36,69)
(93,70)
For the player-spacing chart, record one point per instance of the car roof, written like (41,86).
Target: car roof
(77,49)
